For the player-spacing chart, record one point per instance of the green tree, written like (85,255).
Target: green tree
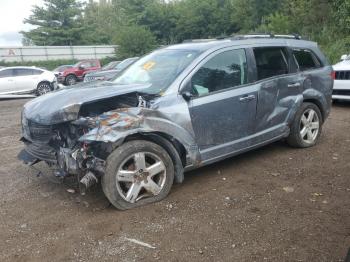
(58,22)
(134,41)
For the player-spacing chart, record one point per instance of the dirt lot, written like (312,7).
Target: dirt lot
(273,204)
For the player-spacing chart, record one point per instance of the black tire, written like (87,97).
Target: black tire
(71,80)
(43,88)
(295,138)
(116,161)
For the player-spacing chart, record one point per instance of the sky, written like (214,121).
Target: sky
(12,14)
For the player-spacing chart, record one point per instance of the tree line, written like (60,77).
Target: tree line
(139,26)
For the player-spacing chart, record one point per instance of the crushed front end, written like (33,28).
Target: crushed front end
(59,146)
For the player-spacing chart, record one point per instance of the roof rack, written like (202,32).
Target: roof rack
(248,36)
(199,40)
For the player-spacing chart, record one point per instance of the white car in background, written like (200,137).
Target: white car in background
(341,88)
(19,81)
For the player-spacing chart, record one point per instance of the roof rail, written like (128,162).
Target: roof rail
(241,37)
(198,40)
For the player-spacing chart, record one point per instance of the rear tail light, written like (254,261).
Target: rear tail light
(333,75)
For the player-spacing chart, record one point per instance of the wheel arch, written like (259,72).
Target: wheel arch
(44,81)
(175,149)
(318,104)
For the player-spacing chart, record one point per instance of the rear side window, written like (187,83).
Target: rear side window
(306,60)
(22,72)
(36,72)
(223,71)
(271,62)
(6,73)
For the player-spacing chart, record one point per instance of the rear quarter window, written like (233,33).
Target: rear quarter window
(306,59)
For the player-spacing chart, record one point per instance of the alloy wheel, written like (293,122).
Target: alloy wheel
(140,176)
(309,126)
(43,89)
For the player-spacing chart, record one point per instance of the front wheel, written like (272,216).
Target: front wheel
(71,80)
(137,173)
(43,88)
(306,127)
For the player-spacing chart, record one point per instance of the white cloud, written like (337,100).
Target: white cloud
(12,14)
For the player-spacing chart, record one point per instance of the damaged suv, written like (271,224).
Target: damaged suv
(179,108)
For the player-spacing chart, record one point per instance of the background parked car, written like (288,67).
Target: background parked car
(26,80)
(105,75)
(72,75)
(59,70)
(341,88)
(111,65)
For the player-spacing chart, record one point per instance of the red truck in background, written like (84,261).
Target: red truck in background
(72,75)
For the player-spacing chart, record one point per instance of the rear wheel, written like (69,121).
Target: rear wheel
(137,173)
(43,88)
(71,80)
(307,127)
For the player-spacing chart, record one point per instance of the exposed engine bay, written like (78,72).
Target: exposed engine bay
(81,147)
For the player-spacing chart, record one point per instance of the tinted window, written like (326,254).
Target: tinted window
(6,73)
(225,70)
(22,72)
(270,62)
(36,72)
(306,60)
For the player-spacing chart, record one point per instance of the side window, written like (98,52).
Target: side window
(36,72)
(306,60)
(225,70)
(22,72)
(93,64)
(85,64)
(271,62)
(6,73)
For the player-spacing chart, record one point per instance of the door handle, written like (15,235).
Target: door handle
(247,98)
(294,85)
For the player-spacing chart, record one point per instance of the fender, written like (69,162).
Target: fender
(114,126)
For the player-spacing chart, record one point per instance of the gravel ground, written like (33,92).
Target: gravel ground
(272,204)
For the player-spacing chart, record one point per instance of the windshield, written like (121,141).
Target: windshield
(109,66)
(158,69)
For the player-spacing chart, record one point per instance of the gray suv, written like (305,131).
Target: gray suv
(179,108)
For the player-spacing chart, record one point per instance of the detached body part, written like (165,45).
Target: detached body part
(179,108)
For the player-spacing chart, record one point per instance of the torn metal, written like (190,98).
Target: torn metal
(76,139)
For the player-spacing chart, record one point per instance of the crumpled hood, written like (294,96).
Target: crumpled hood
(64,105)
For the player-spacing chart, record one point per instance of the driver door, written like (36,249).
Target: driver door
(223,107)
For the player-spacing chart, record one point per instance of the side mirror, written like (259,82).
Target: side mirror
(187,95)
(343,57)
(81,67)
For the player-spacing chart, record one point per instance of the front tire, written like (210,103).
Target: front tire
(306,128)
(71,80)
(137,173)
(43,88)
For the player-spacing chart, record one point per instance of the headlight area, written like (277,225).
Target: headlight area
(84,160)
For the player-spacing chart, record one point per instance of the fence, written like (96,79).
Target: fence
(45,53)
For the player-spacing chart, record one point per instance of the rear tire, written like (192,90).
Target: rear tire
(137,173)
(306,128)
(71,80)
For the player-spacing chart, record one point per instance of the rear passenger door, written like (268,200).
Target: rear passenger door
(7,83)
(223,107)
(280,85)
(24,79)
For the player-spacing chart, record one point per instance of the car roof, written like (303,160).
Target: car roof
(22,67)
(204,45)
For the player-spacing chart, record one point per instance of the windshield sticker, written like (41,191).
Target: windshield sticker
(149,65)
